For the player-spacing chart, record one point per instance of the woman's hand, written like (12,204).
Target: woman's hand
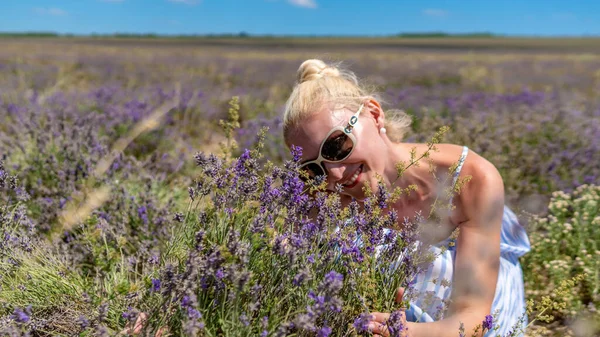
(381,324)
(137,327)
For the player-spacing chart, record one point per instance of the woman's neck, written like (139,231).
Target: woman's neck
(414,176)
(413,173)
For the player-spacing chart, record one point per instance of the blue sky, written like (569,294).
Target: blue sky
(303,17)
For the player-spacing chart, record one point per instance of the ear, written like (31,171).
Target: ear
(376,112)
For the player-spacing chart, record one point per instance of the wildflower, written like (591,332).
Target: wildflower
(244,320)
(22,195)
(488,323)
(153,259)
(179,217)
(155,285)
(22,316)
(143,214)
(264,324)
(332,283)
(189,303)
(83,322)
(361,324)
(101,331)
(102,312)
(130,315)
(198,239)
(296,152)
(301,277)
(394,323)
(382,195)
(324,332)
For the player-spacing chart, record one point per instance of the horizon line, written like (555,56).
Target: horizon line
(243,34)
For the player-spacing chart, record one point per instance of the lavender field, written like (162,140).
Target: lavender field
(112,205)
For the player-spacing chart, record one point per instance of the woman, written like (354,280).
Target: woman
(346,136)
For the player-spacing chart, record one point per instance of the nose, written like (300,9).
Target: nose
(335,171)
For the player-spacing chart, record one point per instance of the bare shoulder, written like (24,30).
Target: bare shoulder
(482,198)
(484,180)
(482,171)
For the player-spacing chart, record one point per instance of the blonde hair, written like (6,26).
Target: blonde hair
(319,84)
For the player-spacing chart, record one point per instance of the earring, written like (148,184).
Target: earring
(382,131)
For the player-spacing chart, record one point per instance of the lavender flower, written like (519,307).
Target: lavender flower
(395,325)
(332,283)
(244,320)
(324,332)
(22,315)
(153,259)
(488,323)
(83,322)
(461,330)
(382,195)
(143,214)
(130,315)
(155,285)
(296,152)
(302,277)
(192,193)
(102,312)
(264,325)
(361,323)
(179,217)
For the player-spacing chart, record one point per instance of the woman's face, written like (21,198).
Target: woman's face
(365,163)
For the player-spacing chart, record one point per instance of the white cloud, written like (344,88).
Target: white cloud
(435,12)
(186,2)
(50,11)
(304,3)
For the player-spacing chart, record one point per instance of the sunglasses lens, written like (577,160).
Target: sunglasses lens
(337,147)
(313,170)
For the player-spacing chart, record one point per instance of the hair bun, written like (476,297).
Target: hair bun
(314,69)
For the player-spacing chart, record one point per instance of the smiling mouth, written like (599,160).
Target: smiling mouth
(353,180)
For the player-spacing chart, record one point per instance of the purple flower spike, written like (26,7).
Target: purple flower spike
(361,324)
(155,285)
(394,324)
(22,316)
(488,323)
(296,152)
(324,332)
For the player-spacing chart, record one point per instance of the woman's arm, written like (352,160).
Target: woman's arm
(477,260)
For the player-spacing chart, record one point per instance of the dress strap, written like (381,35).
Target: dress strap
(461,161)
